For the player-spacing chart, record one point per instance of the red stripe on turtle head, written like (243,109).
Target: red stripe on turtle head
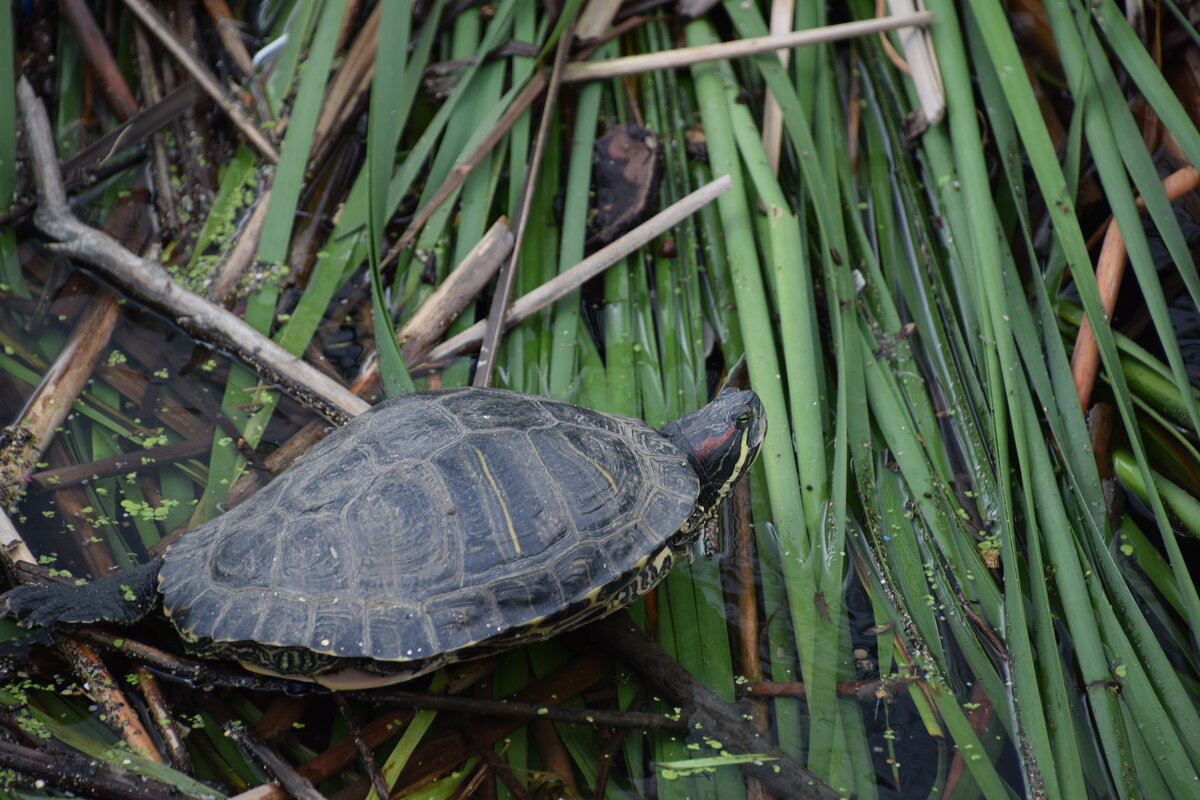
(704,448)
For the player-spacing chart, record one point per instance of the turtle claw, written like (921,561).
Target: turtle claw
(38,605)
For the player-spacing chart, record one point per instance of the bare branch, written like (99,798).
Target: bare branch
(150,283)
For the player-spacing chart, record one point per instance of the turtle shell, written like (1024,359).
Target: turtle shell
(431,523)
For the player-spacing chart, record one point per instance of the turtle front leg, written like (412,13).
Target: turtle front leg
(123,598)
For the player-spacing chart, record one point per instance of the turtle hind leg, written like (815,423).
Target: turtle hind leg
(122,598)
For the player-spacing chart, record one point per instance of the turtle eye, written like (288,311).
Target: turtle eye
(744,419)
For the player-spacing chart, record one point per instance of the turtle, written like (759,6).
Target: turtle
(437,526)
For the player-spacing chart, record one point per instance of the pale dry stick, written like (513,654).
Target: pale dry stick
(782,13)
(208,82)
(242,254)
(595,19)
(922,65)
(1110,270)
(149,282)
(266,791)
(458,289)
(494,326)
(686,56)
(12,545)
(47,408)
(590,267)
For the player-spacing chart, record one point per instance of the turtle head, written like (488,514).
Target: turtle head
(721,441)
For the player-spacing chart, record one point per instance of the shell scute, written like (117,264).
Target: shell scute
(198,617)
(316,560)
(577,417)
(397,633)
(480,411)
(222,614)
(627,547)
(654,443)
(456,618)
(503,500)
(324,490)
(242,559)
(293,626)
(398,522)
(338,628)
(584,569)
(404,426)
(528,597)
(599,474)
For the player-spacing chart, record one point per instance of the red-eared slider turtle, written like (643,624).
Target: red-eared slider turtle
(437,526)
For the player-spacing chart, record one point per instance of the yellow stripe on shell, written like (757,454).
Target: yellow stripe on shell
(593,462)
(512,532)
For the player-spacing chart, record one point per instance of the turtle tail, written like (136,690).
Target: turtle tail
(123,598)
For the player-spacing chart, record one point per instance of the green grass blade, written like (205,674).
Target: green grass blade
(384,124)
